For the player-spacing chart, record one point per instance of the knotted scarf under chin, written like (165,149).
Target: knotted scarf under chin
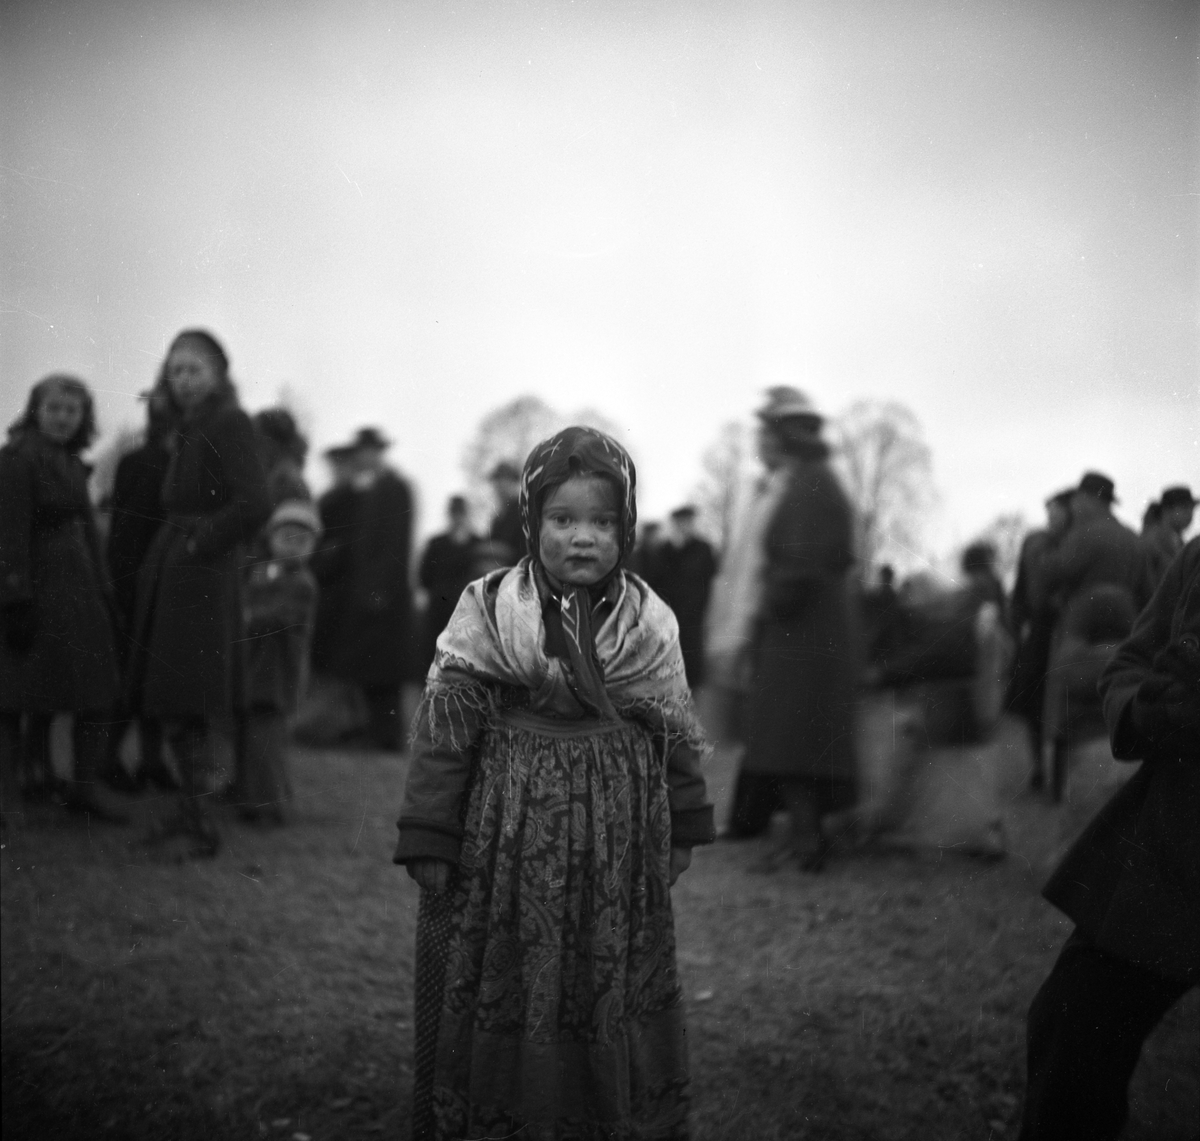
(568,612)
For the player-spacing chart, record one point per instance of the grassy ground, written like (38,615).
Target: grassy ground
(268,993)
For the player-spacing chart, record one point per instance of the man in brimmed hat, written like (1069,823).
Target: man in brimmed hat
(371,642)
(1098,573)
(1164,536)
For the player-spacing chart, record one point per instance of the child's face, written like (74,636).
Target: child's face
(580,533)
(291,541)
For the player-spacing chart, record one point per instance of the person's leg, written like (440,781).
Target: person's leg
(152,764)
(264,787)
(1085,1032)
(190,741)
(112,771)
(802,798)
(755,800)
(38,780)
(89,739)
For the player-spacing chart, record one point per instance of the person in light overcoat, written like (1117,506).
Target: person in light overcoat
(187,668)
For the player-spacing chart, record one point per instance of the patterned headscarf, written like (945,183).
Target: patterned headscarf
(569,610)
(577,451)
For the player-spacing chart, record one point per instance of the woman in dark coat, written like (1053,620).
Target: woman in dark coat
(805,653)
(186,669)
(58,652)
(137,514)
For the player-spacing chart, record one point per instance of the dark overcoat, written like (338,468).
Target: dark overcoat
(187,659)
(137,514)
(1093,553)
(1131,882)
(280,599)
(50,556)
(331,566)
(372,644)
(806,653)
(684,580)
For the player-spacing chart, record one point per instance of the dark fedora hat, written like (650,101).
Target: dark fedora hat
(1098,487)
(687,511)
(1180,496)
(339,452)
(370,438)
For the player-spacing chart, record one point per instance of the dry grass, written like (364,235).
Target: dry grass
(268,993)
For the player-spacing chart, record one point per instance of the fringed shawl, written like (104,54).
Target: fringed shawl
(496,639)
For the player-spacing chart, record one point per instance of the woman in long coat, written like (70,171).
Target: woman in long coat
(186,669)
(58,651)
(805,653)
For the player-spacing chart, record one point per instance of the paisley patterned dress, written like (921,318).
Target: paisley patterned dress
(548,1004)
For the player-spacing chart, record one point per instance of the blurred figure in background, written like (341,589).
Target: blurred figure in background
(1163,535)
(1130,883)
(506,534)
(805,667)
(282,451)
(884,616)
(645,559)
(58,650)
(1032,616)
(447,565)
(279,603)
(137,515)
(187,667)
(978,565)
(1097,569)
(371,644)
(685,569)
(338,511)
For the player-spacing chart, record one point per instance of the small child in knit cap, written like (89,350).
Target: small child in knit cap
(279,599)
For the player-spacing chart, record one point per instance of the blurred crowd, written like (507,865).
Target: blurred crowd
(210,599)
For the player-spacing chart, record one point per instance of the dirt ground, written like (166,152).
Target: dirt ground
(267,993)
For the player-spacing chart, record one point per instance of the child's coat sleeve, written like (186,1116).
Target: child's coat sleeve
(691,813)
(430,821)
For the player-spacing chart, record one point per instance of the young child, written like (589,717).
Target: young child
(554,796)
(279,598)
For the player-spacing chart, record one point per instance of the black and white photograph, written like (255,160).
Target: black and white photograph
(598,570)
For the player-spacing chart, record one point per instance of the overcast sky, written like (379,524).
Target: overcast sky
(410,213)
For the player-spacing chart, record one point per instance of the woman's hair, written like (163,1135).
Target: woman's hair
(205,343)
(64,382)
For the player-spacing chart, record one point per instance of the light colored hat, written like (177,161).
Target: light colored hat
(298,512)
(784,403)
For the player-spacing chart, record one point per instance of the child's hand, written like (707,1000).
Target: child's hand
(681,859)
(431,873)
